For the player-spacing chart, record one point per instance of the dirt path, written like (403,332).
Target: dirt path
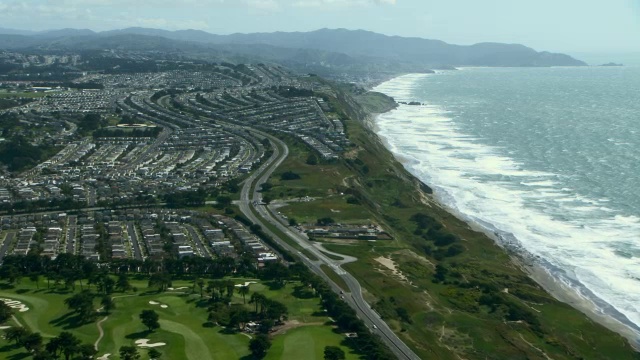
(15,319)
(99,323)
(101,331)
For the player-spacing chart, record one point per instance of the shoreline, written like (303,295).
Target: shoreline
(534,269)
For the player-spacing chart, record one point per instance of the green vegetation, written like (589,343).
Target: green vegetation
(197,315)
(376,103)
(452,292)
(334,277)
(18,153)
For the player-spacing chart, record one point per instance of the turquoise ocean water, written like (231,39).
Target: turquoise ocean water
(548,159)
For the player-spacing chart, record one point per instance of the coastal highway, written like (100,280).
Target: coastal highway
(260,215)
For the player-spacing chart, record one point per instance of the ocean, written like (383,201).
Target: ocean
(547,159)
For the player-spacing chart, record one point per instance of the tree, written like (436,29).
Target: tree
(67,343)
(107,304)
(223,201)
(32,341)
(243,290)
(259,346)
(15,334)
(123,283)
(154,354)
(312,159)
(129,353)
(9,273)
(82,305)
(333,353)
(35,278)
(86,351)
(150,319)
(325,221)
(5,312)
(289,175)
(161,281)
(275,310)
(200,284)
(257,299)
(238,317)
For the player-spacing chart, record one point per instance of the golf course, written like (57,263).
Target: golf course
(184,330)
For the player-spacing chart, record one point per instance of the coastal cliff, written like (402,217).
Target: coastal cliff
(464,295)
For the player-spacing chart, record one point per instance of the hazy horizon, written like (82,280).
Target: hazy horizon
(571,26)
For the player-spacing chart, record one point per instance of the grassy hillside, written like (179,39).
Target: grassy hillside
(448,291)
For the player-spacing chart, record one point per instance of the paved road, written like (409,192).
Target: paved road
(8,240)
(250,196)
(71,234)
(197,241)
(133,236)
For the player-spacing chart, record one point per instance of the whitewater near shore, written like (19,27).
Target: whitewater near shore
(514,203)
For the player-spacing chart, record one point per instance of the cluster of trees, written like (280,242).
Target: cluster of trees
(186,198)
(40,205)
(65,345)
(444,243)
(18,153)
(333,353)
(358,165)
(68,271)
(259,346)
(9,103)
(91,122)
(289,175)
(131,353)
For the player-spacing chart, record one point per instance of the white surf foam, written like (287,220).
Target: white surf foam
(571,232)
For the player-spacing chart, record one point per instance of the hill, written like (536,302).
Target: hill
(331,48)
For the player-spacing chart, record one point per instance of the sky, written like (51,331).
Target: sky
(570,26)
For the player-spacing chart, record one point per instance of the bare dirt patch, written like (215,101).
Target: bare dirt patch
(391,265)
(292,324)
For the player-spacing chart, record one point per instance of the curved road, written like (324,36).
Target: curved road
(249,199)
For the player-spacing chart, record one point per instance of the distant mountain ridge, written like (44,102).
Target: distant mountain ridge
(359,45)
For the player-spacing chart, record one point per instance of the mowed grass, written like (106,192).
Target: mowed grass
(335,207)
(182,321)
(181,328)
(306,342)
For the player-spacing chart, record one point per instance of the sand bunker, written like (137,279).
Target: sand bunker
(151,302)
(15,304)
(179,288)
(4,327)
(144,343)
(104,357)
(246,284)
